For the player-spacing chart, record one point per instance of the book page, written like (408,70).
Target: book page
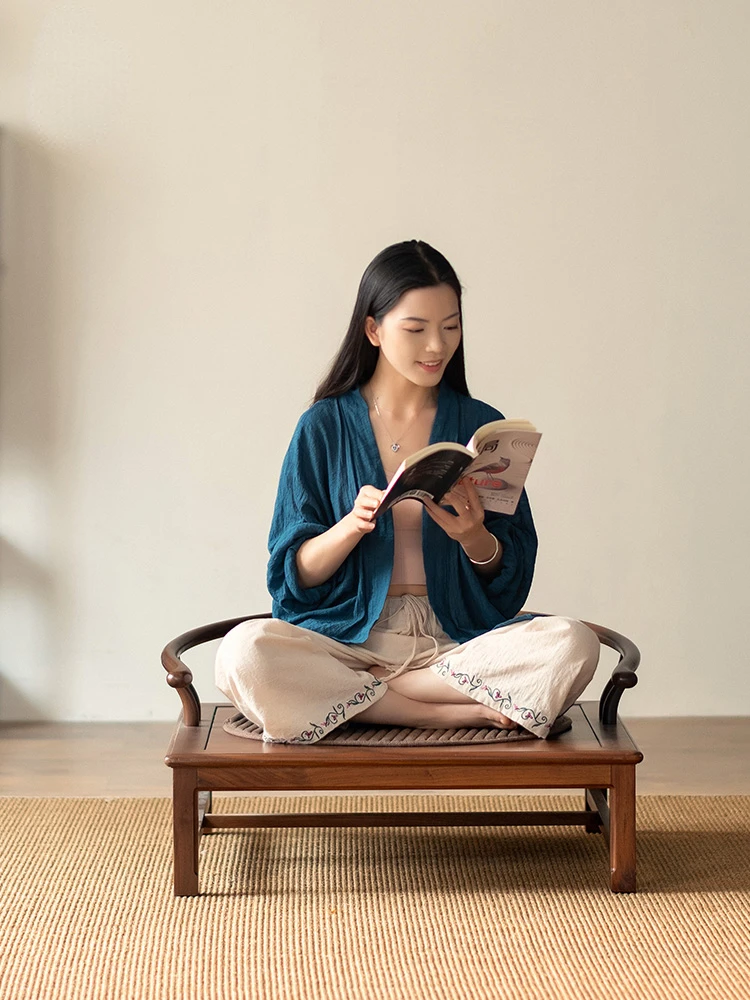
(489,431)
(500,469)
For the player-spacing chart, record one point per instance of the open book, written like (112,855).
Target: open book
(497,460)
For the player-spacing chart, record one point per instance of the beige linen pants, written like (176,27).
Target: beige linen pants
(298,685)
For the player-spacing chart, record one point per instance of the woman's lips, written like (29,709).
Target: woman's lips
(432,368)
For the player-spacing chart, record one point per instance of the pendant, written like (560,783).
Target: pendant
(395,447)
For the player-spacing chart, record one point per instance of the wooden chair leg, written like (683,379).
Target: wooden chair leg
(186,831)
(622,828)
(593,822)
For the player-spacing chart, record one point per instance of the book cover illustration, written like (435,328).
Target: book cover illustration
(500,469)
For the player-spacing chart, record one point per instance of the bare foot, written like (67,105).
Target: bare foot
(396,709)
(423,686)
(496,720)
(476,715)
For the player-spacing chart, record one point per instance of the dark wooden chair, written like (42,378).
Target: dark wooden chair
(596,755)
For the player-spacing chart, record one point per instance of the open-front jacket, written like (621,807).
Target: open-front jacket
(332,454)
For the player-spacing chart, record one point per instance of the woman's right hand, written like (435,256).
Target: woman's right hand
(361,515)
(319,557)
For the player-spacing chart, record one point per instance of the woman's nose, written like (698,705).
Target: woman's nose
(436,342)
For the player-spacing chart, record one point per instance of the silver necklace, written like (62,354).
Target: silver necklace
(395,446)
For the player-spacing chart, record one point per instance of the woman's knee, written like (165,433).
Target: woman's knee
(241,644)
(581,644)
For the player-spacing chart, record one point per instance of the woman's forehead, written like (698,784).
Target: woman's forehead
(438,302)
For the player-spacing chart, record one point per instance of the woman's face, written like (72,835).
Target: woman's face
(419,336)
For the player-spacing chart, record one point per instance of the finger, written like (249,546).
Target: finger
(459,497)
(436,513)
(367,503)
(444,520)
(458,501)
(434,516)
(468,496)
(471,490)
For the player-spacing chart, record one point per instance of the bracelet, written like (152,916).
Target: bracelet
(486,562)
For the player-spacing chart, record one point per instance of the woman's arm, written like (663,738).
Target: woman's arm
(466,526)
(319,557)
(483,546)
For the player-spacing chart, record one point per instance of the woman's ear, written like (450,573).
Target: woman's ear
(371,331)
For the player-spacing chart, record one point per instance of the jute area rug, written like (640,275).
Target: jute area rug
(87,909)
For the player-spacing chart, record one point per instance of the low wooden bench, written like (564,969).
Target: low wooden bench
(596,755)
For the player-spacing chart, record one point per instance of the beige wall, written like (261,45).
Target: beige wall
(190,193)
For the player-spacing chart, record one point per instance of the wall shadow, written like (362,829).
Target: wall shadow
(30,678)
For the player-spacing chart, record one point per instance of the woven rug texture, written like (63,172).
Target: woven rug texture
(87,911)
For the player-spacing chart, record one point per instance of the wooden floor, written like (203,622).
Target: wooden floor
(687,756)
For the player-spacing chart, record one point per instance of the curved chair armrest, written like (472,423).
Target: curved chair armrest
(179,675)
(623,676)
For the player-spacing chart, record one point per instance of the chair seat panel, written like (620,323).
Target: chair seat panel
(210,746)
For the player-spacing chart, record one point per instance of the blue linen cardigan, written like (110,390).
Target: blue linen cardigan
(332,454)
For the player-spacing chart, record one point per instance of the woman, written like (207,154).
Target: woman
(411,619)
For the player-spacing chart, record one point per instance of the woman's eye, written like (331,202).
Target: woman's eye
(421,329)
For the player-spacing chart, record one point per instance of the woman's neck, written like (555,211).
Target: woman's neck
(400,398)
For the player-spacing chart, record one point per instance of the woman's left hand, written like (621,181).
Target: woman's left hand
(468,521)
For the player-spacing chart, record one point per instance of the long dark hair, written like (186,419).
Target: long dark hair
(396,270)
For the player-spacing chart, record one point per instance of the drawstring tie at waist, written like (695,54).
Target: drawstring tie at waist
(417,612)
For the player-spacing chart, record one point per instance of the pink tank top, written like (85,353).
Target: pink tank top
(408,562)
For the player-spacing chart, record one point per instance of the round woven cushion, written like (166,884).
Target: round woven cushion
(359,734)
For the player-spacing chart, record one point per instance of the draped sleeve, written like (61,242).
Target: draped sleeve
(318,483)
(509,587)
(303,509)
